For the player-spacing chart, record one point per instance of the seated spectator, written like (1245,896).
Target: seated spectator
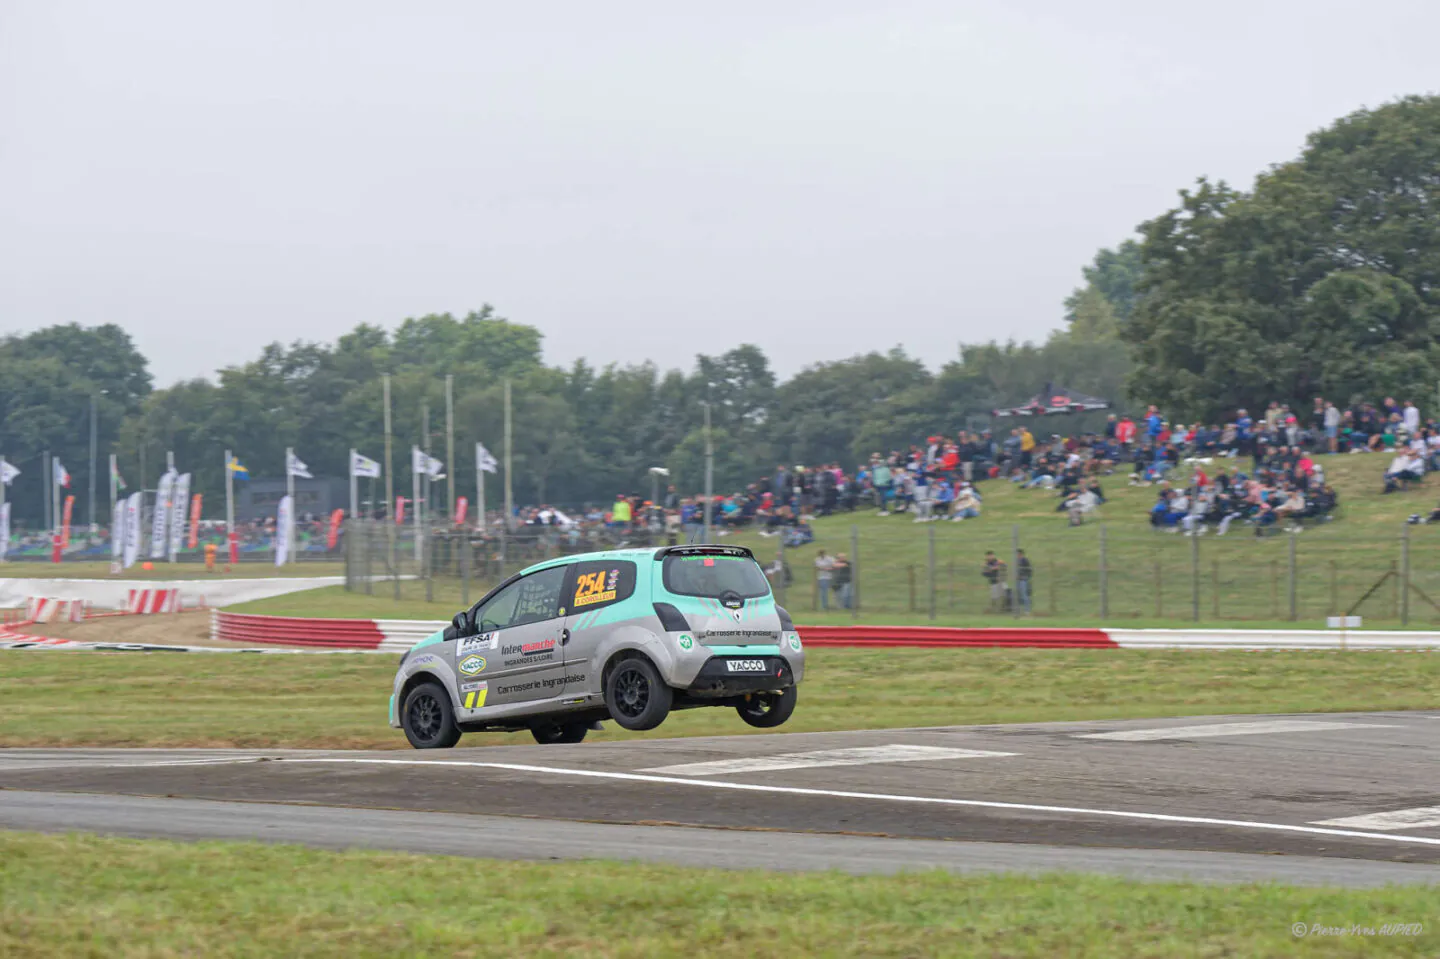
(1403,470)
(967,503)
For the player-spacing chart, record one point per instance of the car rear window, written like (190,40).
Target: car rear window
(713,576)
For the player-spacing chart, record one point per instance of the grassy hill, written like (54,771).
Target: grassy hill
(1152,578)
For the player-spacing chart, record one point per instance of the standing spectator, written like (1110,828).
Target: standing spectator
(994,573)
(1410,416)
(840,577)
(1332,426)
(1125,433)
(880,481)
(1023,572)
(823,566)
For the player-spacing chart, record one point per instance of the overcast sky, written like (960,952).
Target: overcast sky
(637,179)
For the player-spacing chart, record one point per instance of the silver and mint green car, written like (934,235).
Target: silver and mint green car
(626,635)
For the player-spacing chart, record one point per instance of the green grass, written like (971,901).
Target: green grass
(163,699)
(90,896)
(1152,578)
(99,569)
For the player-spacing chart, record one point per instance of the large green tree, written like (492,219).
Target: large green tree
(1320,281)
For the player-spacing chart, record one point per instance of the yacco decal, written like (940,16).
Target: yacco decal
(471,665)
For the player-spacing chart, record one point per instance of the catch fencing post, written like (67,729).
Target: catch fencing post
(1194,576)
(1015,570)
(1215,588)
(1159,588)
(367,527)
(910,580)
(464,566)
(1274,590)
(1104,578)
(854,572)
(1405,575)
(1294,609)
(780,559)
(930,528)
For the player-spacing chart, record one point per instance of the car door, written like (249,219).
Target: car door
(517,654)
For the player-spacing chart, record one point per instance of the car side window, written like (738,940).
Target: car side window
(600,583)
(531,599)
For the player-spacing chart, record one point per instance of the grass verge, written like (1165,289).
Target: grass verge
(85,895)
(339,701)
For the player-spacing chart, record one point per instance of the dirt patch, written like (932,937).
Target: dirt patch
(190,628)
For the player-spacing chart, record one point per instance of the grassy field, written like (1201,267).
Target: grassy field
(160,699)
(99,569)
(1151,578)
(91,896)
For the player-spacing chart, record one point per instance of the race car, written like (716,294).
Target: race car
(626,634)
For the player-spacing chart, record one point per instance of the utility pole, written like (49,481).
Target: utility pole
(450,442)
(709,474)
(92,461)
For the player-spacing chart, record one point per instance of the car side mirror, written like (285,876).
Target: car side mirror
(461,624)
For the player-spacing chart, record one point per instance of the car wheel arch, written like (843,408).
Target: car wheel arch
(418,678)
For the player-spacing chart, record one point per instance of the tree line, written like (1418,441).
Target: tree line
(1322,280)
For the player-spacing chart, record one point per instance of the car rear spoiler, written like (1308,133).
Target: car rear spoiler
(665,551)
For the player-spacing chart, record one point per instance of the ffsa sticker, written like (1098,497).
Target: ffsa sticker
(596,587)
(477,644)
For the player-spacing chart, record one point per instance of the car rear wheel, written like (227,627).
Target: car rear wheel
(636,695)
(428,718)
(548,733)
(767,710)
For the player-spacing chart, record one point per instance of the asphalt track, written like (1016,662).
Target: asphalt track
(1344,799)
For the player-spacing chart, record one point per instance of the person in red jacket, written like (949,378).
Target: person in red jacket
(1125,432)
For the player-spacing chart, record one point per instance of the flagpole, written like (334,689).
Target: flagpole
(289,520)
(114,491)
(55,500)
(170,512)
(354,488)
(509,489)
(229,507)
(47,476)
(415,505)
(450,441)
(479,491)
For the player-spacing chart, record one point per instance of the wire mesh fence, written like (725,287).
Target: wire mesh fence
(1095,573)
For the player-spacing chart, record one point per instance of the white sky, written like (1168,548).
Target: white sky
(637,178)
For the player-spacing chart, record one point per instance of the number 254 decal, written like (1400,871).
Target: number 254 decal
(596,587)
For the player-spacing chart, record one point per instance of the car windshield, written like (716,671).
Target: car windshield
(713,576)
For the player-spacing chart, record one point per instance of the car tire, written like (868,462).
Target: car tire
(428,717)
(636,695)
(768,710)
(550,733)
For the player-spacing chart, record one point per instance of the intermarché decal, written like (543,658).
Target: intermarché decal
(570,680)
(539,646)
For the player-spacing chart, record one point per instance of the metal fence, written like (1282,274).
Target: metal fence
(1095,573)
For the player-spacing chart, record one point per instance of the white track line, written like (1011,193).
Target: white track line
(1207,730)
(844,794)
(856,756)
(1422,817)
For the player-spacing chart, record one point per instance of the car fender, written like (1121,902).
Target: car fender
(431,663)
(632,637)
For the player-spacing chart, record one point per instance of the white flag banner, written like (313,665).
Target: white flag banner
(282,531)
(364,467)
(4,529)
(160,525)
(62,475)
(8,472)
(294,467)
(426,465)
(117,531)
(179,498)
(133,507)
(484,462)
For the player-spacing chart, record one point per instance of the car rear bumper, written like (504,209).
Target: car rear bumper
(718,679)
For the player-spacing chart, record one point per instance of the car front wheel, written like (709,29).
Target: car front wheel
(767,710)
(636,695)
(428,718)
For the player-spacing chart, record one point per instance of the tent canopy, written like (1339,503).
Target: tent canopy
(1052,400)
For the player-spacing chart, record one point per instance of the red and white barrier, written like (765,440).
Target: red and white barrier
(397,635)
(48,609)
(147,601)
